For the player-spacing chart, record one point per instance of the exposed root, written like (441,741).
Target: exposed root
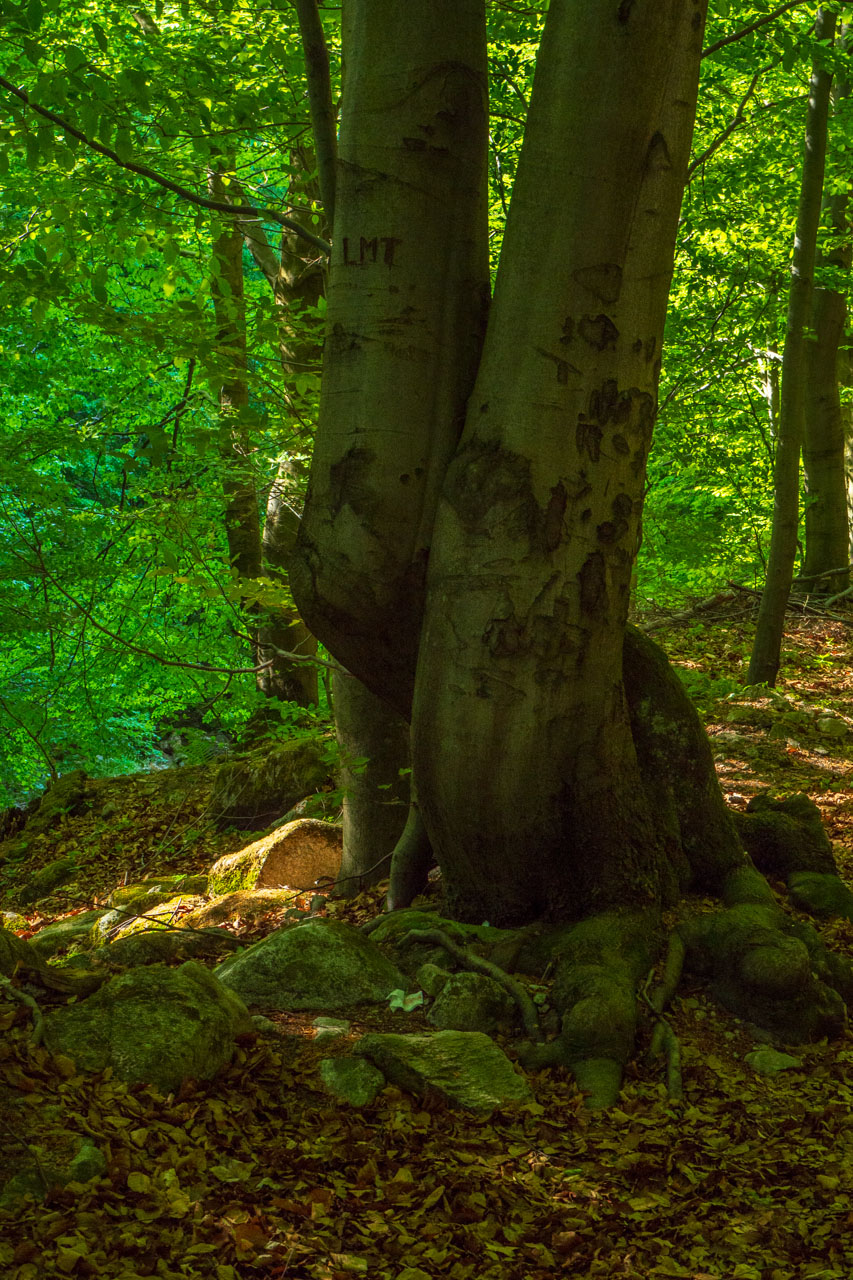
(21,996)
(524,1004)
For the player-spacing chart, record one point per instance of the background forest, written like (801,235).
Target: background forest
(161,354)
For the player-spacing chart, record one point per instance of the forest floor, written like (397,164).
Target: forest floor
(260,1174)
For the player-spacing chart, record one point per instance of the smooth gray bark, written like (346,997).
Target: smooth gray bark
(374,746)
(827,525)
(407,282)
(767,647)
(526,768)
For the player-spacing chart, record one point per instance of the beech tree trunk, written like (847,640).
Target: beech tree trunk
(241,498)
(526,767)
(827,524)
(767,647)
(407,282)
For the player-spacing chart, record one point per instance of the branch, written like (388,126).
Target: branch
(218,206)
(736,120)
(320,102)
(753,26)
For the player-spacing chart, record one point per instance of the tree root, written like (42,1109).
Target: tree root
(770,970)
(524,1004)
(664,1040)
(21,996)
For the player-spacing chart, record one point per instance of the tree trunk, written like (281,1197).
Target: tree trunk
(827,535)
(767,647)
(241,499)
(408,278)
(827,525)
(374,745)
(526,767)
(281,630)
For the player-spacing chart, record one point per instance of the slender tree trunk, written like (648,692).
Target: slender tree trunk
(767,647)
(408,277)
(241,499)
(281,630)
(526,767)
(827,525)
(374,745)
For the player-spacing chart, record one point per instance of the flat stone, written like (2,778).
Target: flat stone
(465,1067)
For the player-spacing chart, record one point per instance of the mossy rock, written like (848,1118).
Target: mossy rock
(43,883)
(153,1025)
(317,964)
(293,856)
(252,791)
(785,834)
(121,922)
(161,887)
(74,931)
(165,946)
(244,904)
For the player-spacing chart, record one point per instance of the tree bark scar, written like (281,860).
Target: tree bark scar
(599,332)
(593,585)
(554,512)
(603,281)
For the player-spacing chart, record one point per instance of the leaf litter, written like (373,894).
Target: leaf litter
(260,1174)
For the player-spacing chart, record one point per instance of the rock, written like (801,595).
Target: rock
(164,946)
(293,856)
(156,1025)
(431,978)
(244,904)
(471,1002)
(65,795)
(330,1028)
(821,894)
(784,835)
(465,1067)
(42,883)
(254,790)
(768,1061)
(353,1080)
(162,888)
(318,964)
(141,915)
(70,932)
(12,920)
(832,727)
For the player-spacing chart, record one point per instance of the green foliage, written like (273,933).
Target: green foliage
(120,612)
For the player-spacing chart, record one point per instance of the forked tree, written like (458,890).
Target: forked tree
(477,485)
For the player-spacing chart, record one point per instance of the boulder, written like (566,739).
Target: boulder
(785,834)
(471,1002)
(293,856)
(65,795)
(252,791)
(165,946)
(156,890)
(244,904)
(42,883)
(73,931)
(141,915)
(465,1067)
(317,964)
(156,1025)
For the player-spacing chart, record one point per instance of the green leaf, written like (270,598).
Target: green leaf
(34,14)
